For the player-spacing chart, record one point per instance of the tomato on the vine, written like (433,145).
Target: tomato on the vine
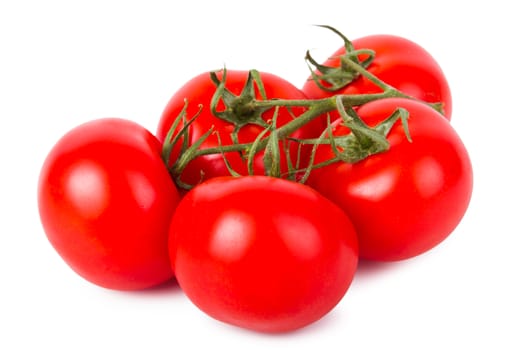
(106,200)
(408,199)
(400,63)
(199,92)
(262,253)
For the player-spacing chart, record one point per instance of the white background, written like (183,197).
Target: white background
(65,62)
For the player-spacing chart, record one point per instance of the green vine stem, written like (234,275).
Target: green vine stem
(245,109)
(361,143)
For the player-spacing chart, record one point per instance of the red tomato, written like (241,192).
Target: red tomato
(199,91)
(262,253)
(408,199)
(106,201)
(398,62)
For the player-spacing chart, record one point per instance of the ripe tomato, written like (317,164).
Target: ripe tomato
(398,62)
(199,91)
(408,199)
(106,201)
(262,253)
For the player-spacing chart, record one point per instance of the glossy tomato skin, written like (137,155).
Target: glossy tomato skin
(262,253)
(199,91)
(398,62)
(106,200)
(408,199)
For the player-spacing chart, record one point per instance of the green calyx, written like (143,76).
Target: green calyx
(331,79)
(239,110)
(364,141)
(361,142)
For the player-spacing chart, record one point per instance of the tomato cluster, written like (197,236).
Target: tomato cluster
(260,197)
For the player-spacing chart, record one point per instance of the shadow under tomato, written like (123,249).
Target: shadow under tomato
(169,287)
(371,269)
(324,323)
